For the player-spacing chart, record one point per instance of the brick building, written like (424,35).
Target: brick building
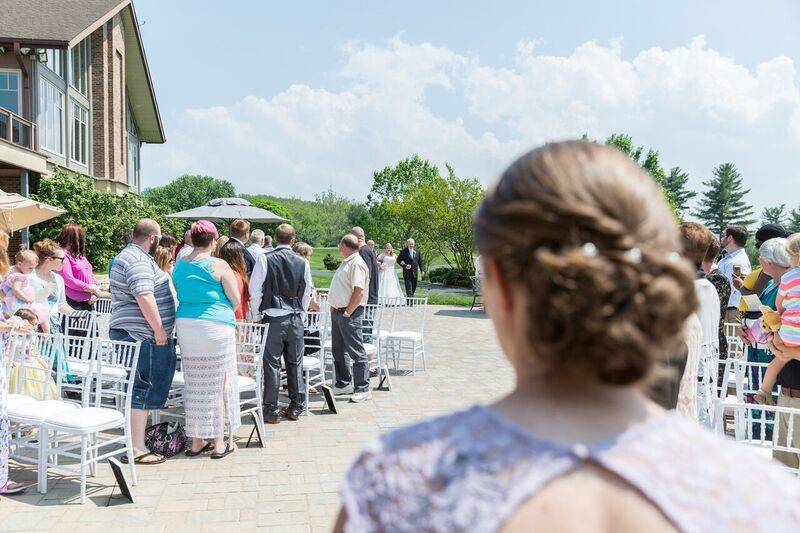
(75,92)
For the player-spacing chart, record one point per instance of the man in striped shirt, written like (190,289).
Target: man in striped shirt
(143,309)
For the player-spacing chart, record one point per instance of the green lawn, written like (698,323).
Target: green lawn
(434,297)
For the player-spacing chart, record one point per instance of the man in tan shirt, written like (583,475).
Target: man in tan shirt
(347,296)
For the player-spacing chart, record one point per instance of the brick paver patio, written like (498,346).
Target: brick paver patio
(292,484)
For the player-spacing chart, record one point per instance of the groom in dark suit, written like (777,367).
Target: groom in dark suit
(411,262)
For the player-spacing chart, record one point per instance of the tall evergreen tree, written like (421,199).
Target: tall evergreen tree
(794,221)
(722,204)
(675,185)
(774,215)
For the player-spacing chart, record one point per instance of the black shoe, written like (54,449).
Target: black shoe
(293,413)
(272,418)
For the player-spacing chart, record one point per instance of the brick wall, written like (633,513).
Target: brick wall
(12,184)
(109,134)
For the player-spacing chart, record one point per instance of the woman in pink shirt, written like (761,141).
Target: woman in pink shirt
(79,281)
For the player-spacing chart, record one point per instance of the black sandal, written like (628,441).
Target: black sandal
(191,453)
(138,459)
(228,450)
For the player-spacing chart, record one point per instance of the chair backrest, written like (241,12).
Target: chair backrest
(411,315)
(34,354)
(250,341)
(322,299)
(102,324)
(735,344)
(760,426)
(748,376)
(115,363)
(371,322)
(79,323)
(708,390)
(315,331)
(102,305)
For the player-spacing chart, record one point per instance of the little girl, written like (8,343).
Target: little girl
(35,368)
(788,304)
(18,293)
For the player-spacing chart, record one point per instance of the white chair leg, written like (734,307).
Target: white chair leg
(43,458)
(305,377)
(129,453)
(83,468)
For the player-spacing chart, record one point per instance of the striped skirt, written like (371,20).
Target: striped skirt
(211,390)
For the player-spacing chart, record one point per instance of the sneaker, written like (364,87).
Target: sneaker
(343,391)
(359,397)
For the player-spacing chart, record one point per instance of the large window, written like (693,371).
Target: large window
(79,133)
(51,117)
(133,161)
(79,67)
(10,95)
(55,61)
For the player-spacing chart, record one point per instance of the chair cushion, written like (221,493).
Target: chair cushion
(81,368)
(39,411)
(310,363)
(19,399)
(85,418)
(405,335)
(246,383)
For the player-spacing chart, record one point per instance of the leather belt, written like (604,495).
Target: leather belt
(791,393)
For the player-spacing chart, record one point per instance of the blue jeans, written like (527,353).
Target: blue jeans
(153,373)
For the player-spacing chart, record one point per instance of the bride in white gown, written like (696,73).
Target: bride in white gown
(388,285)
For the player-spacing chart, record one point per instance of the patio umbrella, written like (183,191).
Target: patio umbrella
(17,212)
(228,209)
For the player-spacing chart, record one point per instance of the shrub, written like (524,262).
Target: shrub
(330,262)
(449,276)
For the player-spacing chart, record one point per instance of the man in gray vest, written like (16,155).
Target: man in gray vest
(280,291)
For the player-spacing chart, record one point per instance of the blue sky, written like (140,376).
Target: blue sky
(290,98)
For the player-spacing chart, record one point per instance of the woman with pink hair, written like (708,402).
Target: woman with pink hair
(206,326)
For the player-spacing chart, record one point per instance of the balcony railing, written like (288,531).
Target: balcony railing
(17,130)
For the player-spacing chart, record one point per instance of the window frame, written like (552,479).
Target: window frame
(53,53)
(18,72)
(84,139)
(43,124)
(82,50)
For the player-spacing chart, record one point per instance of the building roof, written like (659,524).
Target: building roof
(65,23)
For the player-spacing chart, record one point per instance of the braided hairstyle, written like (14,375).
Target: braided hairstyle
(589,237)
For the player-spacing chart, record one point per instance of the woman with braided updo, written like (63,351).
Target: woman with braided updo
(588,294)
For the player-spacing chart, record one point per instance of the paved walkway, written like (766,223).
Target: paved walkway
(292,484)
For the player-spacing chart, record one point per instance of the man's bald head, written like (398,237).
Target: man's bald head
(144,229)
(348,245)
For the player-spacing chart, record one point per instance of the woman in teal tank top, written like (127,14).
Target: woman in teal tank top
(206,327)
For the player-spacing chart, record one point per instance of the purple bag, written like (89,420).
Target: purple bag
(165,439)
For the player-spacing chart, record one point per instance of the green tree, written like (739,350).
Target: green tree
(675,185)
(774,215)
(723,204)
(189,191)
(106,217)
(794,221)
(439,212)
(651,163)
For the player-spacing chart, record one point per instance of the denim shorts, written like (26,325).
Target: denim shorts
(153,373)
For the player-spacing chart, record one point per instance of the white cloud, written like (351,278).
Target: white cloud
(698,107)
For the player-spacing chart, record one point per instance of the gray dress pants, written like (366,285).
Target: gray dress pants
(347,338)
(284,339)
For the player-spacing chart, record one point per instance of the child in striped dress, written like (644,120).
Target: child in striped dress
(788,304)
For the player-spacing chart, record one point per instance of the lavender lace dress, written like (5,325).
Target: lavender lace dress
(471,470)
(4,435)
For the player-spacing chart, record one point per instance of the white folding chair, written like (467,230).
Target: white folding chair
(92,422)
(707,389)
(735,344)
(250,341)
(406,341)
(102,305)
(315,334)
(27,413)
(754,423)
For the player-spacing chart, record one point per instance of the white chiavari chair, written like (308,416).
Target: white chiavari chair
(765,428)
(707,388)
(102,305)
(91,433)
(250,341)
(406,341)
(315,334)
(735,344)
